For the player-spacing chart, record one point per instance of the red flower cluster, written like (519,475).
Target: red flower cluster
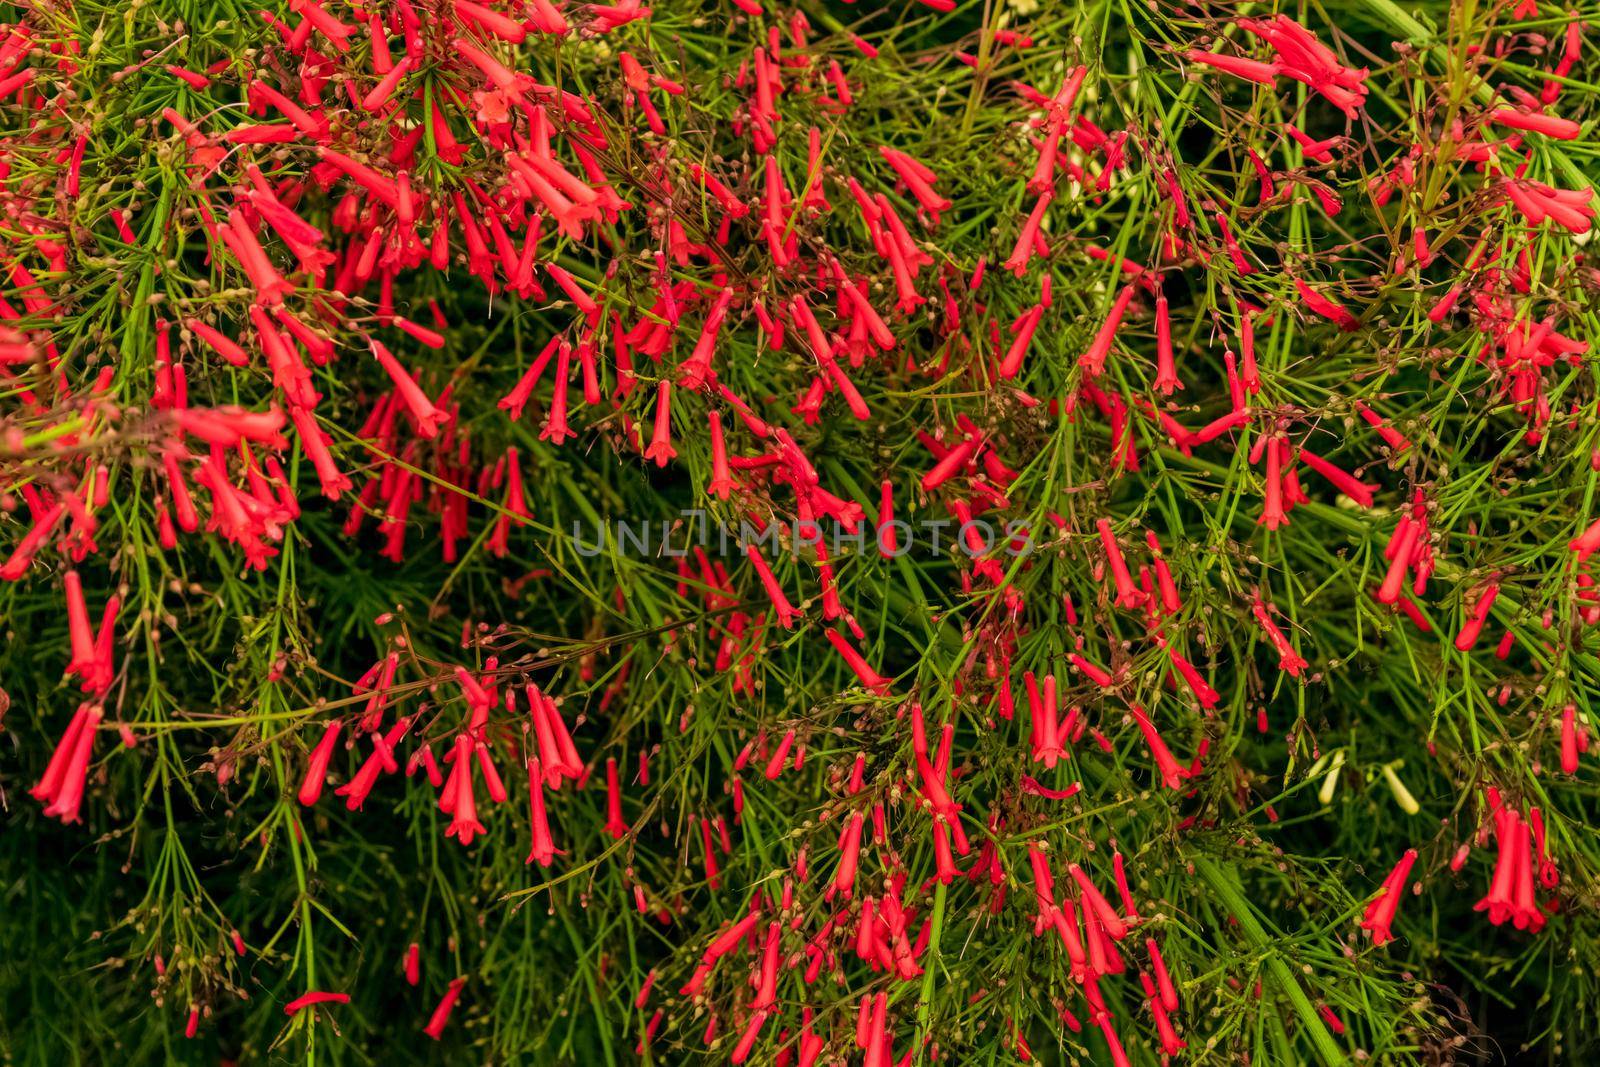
(753,315)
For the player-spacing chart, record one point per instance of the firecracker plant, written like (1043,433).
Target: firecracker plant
(947,531)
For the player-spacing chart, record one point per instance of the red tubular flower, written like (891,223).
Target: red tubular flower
(918,179)
(767,986)
(729,939)
(1171,772)
(240,238)
(556,750)
(357,789)
(1399,553)
(543,847)
(428,418)
(1031,785)
(1588,542)
(307,1000)
(951,462)
(1171,1043)
(1329,309)
(1533,122)
(316,775)
(876,327)
(556,430)
(380,93)
(846,388)
(1304,58)
(1288,659)
(516,505)
(61,785)
(1569,739)
(811,1044)
(1235,252)
(1508,834)
(661,449)
(1379,916)
(1043,889)
(263,133)
(1166,367)
(849,856)
(1203,692)
(412,965)
(696,371)
(1167,992)
(441,1014)
(375,184)
(1272,511)
(1239,66)
(1119,1057)
(1342,480)
(1043,713)
(1028,238)
(17,80)
(780,755)
(1023,330)
(702,973)
(338,33)
(228,426)
(713,877)
(1391,437)
(1480,614)
(1442,308)
(615,825)
(1128,594)
(1094,900)
(1236,393)
(490,21)
(877,1035)
(80,636)
(182,503)
(1320,151)
(1044,170)
(492,69)
(1119,872)
(870,679)
(514,401)
(931,778)
(1093,361)
(1567,208)
(1102,953)
(747,1040)
(479,700)
(316,445)
(1096,674)
(1219,426)
(224,347)
(458,793)
(569,285)
(546,19)
(769,581)
(1170,600)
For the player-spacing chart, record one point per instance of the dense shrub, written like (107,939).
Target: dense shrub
(960,532)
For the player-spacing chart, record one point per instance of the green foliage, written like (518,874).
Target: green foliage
(1253,877)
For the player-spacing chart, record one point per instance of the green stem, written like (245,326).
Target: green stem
(1224,882)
